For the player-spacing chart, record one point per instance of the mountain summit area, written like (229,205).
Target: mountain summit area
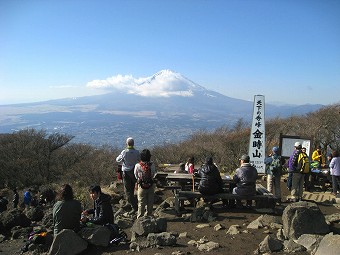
(163,108)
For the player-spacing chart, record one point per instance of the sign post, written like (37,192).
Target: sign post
(257,135)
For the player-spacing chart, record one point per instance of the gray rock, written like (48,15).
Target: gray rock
(330,244)
(162,239)
(218,227)
(67,242)
(256,224)
(233,230)
(279,235)
(146,225)
(303,218)
(310,242)
(14,217)
(270,244)
(333,218)
(96,235)
(35,213)
(291,246)
(209,246)
(19,232)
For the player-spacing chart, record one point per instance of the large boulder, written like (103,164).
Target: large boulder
(330,244)
(96,235)
(67,242)
(14,217)
(146,225)
(35,213)
(303,218)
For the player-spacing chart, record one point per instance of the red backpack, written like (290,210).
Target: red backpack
(144,178)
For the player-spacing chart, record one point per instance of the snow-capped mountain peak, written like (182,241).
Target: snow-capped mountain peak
(164,83)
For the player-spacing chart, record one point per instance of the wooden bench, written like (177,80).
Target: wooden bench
(263,198)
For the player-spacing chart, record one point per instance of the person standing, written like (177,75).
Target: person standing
(144,172)
(335,170)
(15,198)
(245,180)
(297,176)
(66,211)
(102,210)
(274,172)
(318,157)
(28,198)
(129,157)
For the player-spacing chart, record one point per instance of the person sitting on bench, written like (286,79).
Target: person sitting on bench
(211,181)
(245,180)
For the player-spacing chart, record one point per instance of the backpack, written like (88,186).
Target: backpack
(276,166)
(144,178)
(303,163)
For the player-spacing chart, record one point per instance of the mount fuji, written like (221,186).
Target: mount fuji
(165,107)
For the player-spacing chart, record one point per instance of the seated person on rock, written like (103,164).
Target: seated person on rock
(245,180)
(66,211)
(211,181)
(102,209)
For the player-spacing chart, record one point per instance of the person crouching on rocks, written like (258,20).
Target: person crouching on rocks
(102,209)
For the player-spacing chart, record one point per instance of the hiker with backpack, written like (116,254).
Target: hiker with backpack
(274,166)
(144,172)
(298,164)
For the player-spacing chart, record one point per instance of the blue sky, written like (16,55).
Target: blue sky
(288,50)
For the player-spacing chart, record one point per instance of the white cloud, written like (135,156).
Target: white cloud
(163,84)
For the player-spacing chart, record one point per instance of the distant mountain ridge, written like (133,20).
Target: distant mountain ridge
(166,107)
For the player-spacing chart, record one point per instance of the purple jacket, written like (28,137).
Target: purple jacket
(293,161)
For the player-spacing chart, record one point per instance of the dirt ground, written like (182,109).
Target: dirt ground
(243,243)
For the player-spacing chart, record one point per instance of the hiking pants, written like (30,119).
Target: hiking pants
(145,199)
(335,183)
(273,185)
(297,186)
(129,180)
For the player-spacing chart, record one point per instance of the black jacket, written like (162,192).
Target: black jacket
(102,210)
(211,181)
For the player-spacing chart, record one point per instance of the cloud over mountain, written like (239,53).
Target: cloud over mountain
(165,83)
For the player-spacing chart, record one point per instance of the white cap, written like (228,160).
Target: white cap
(130,141)
(297,144)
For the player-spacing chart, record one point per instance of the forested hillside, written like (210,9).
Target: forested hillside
(35,158)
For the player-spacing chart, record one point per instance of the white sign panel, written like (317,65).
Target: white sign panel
(257,135)
(287,145)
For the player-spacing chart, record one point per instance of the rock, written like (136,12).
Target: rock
(202,226)
(279,235)
(162,239)
(303,218)
(67,242)
(256,224)
(35,213)
(146,225)
(233,230)
(310,242)
(218,227)
(183,235)
(270,244)
(96,235)
(291,246)
(209,246)
(333,218)
(330,244)
(14,217)
(19,232)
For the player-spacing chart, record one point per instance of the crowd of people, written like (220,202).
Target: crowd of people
(138,177)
